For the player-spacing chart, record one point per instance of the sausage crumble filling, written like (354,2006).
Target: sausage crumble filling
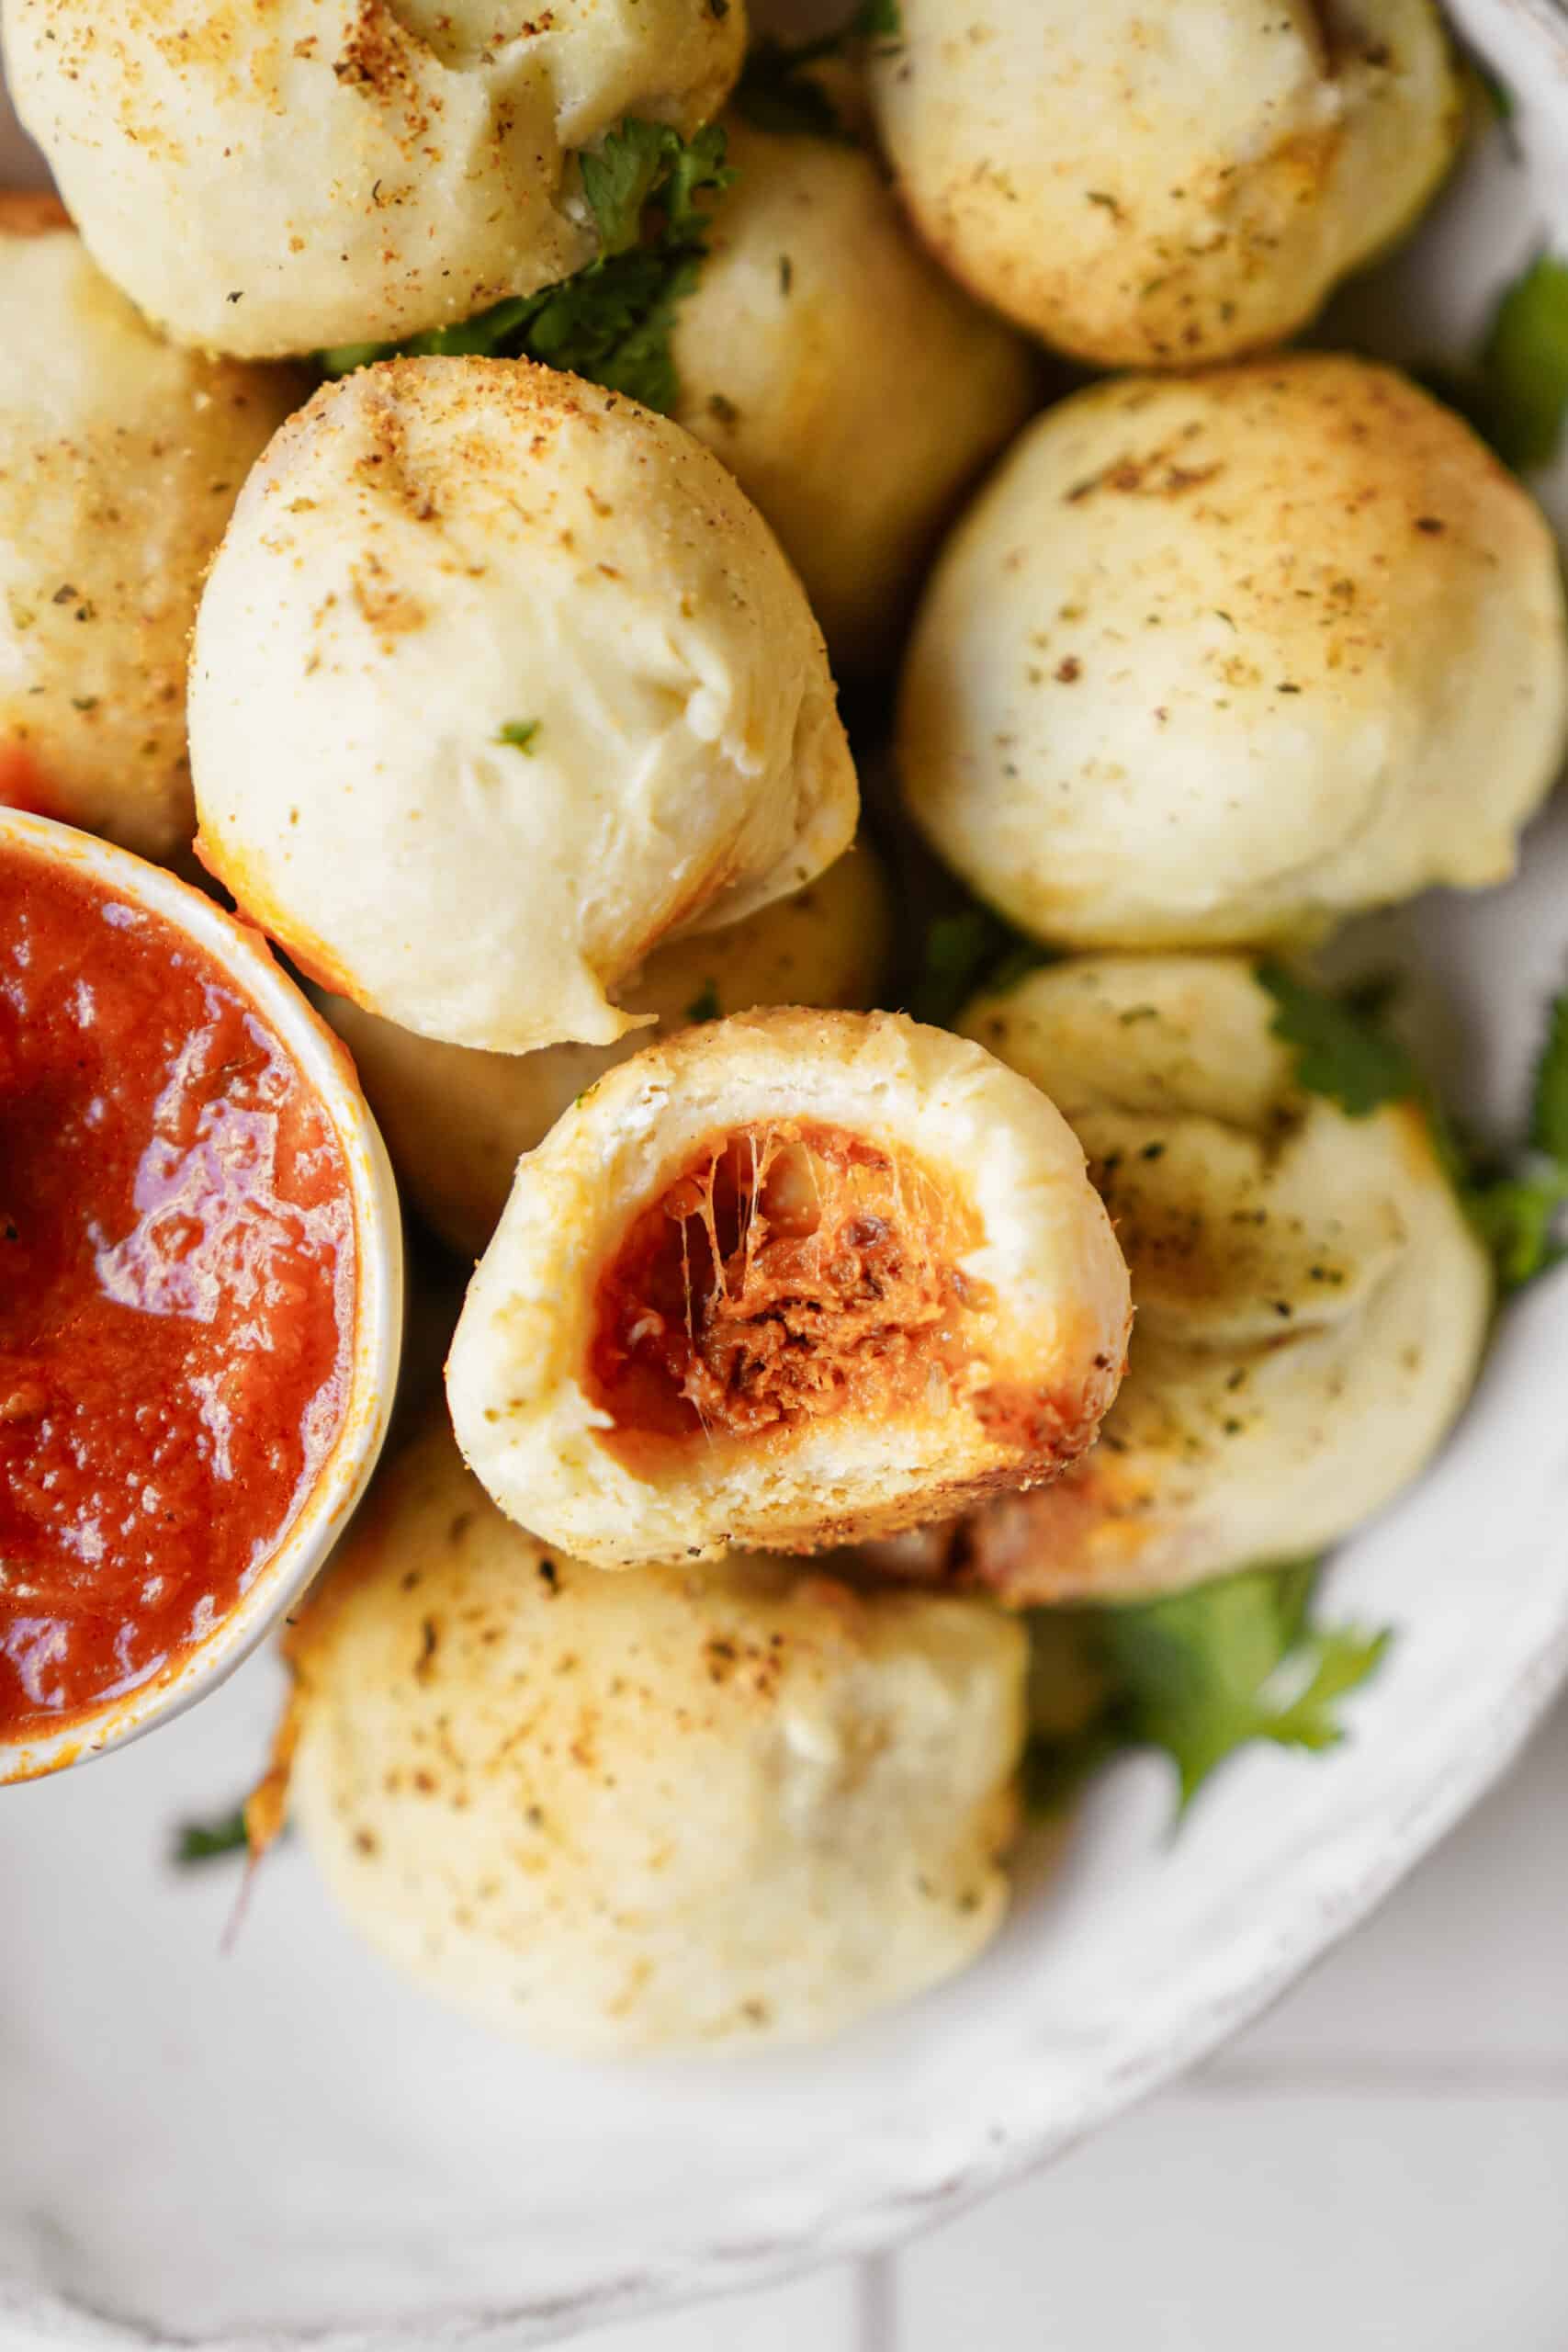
(793,1269)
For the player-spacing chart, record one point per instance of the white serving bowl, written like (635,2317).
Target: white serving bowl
(294,2148)
(243,955)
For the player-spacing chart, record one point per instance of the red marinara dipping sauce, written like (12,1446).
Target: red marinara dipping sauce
(176,1292)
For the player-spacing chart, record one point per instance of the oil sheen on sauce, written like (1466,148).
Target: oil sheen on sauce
(176,1292)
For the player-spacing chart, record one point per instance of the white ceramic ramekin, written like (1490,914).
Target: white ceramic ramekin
(246,957)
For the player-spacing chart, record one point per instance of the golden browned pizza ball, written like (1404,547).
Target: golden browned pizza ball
(1312,1303)
(265,176)
(1157,185)
(499,681)
(787,1280)
(683,1806)
(120,460)
(1223,658)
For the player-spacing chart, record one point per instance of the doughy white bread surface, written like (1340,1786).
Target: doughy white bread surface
(1312,1305)
(120,457)
(1219,659)
(436,555)
(851,388)
(622,1814)
(910,1296)
(455,1120)
(264,177)
(1145,186)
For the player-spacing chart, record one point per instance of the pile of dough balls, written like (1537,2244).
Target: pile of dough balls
(1312,1303)
(511,717)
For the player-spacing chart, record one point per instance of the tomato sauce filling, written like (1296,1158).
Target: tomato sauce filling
(792,1271)
(177,1294)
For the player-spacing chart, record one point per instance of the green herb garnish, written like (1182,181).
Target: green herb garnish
(705,1005)
(519,733)
(619,177)
(1200,1674)
(1495,91)
(1515,391)
(1516,1203)
(1549,1095)
(963,953)
(1524,365)
(1338,1052)
(207,1841)
(611,322)
(1519,1209)
(1517,1219)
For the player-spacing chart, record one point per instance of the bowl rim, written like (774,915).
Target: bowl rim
(1487,1743)
(245,956)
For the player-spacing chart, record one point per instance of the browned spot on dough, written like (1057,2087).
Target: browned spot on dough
(388,609)
(25,214)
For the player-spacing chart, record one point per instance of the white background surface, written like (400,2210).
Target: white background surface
(1380,2166)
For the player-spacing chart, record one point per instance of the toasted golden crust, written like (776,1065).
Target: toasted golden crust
(456,1121)
(1223,658)
(682,1808)
(851,388)
(120,458)
(30,213)
(787,1279)
(1141,191)
(1311,1306)
(499,681)
(266,176)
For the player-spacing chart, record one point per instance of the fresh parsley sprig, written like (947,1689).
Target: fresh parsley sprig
(1549,1099)
(1198,1675)
(1339,1051)
(1524,367)
(613,321)
(1519,1210)
(1515,1206)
